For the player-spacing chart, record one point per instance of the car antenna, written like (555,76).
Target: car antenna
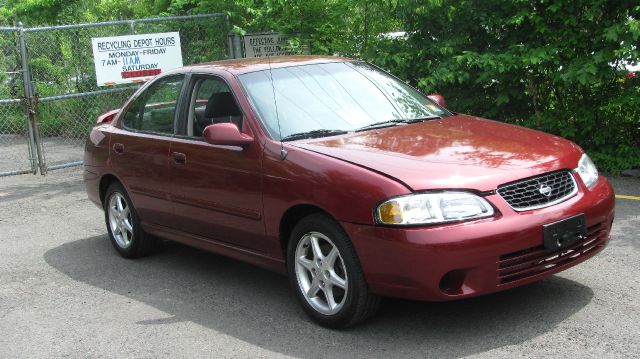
(283,152)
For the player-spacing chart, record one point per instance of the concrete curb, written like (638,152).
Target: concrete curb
(632,173)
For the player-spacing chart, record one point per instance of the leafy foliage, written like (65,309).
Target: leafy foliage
(555,65)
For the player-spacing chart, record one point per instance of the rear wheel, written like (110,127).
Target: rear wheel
(326,275)
(123,224)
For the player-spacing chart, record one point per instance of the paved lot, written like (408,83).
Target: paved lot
(64,292)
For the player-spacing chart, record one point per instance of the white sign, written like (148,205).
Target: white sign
(261,45)
(135,58)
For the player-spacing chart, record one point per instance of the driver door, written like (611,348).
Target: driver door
(216,190)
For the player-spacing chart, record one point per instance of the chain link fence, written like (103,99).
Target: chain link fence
(15,149)
(64,99)
(15,145)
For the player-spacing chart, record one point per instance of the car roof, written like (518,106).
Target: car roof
(241,66)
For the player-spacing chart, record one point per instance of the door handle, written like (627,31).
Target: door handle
(179,158)
(118,148)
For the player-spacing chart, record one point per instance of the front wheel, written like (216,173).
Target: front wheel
(326,275)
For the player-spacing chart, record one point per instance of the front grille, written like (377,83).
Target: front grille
(530,193)
(532,261)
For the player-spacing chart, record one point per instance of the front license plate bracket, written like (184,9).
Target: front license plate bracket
(565,233)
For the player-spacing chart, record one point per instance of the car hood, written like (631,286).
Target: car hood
(460,151)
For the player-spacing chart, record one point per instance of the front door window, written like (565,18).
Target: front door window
(211,102)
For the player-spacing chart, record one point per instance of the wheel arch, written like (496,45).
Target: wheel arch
(105,182)
(292,216)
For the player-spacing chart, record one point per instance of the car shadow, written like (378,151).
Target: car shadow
(258,307)
(50,190)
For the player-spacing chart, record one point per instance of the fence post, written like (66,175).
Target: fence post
(29,101)
(236,45)
(231,52)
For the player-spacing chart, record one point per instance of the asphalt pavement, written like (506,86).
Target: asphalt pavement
(64,292)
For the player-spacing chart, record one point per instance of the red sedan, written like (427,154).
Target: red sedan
(349,180)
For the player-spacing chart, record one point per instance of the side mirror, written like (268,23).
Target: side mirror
(225,134)
(437,98)
(107,117)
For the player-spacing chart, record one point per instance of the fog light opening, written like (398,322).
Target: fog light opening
(451,283)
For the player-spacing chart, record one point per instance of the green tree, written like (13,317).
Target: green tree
(554,65)
(342,27)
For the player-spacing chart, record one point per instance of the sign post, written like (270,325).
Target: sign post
(135,58)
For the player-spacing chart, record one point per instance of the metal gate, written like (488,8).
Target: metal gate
(17,146)
(43,126)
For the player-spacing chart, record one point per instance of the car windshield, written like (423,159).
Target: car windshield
(331,98)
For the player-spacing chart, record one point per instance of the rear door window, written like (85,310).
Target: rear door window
(155,109)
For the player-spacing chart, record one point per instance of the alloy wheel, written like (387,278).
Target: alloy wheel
(120,221)
(321,274)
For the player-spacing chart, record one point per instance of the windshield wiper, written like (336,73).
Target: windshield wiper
(394,122)
(325,132)
(313,134)
(420,119)
(380,125)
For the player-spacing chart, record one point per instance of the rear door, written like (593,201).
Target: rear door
(140,148)
(216,190)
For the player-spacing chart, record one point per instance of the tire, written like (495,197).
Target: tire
(123,224)
(333,272)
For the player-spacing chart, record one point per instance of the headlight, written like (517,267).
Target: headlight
(587,171)
(428,208)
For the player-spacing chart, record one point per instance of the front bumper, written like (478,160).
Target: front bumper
(472,258)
